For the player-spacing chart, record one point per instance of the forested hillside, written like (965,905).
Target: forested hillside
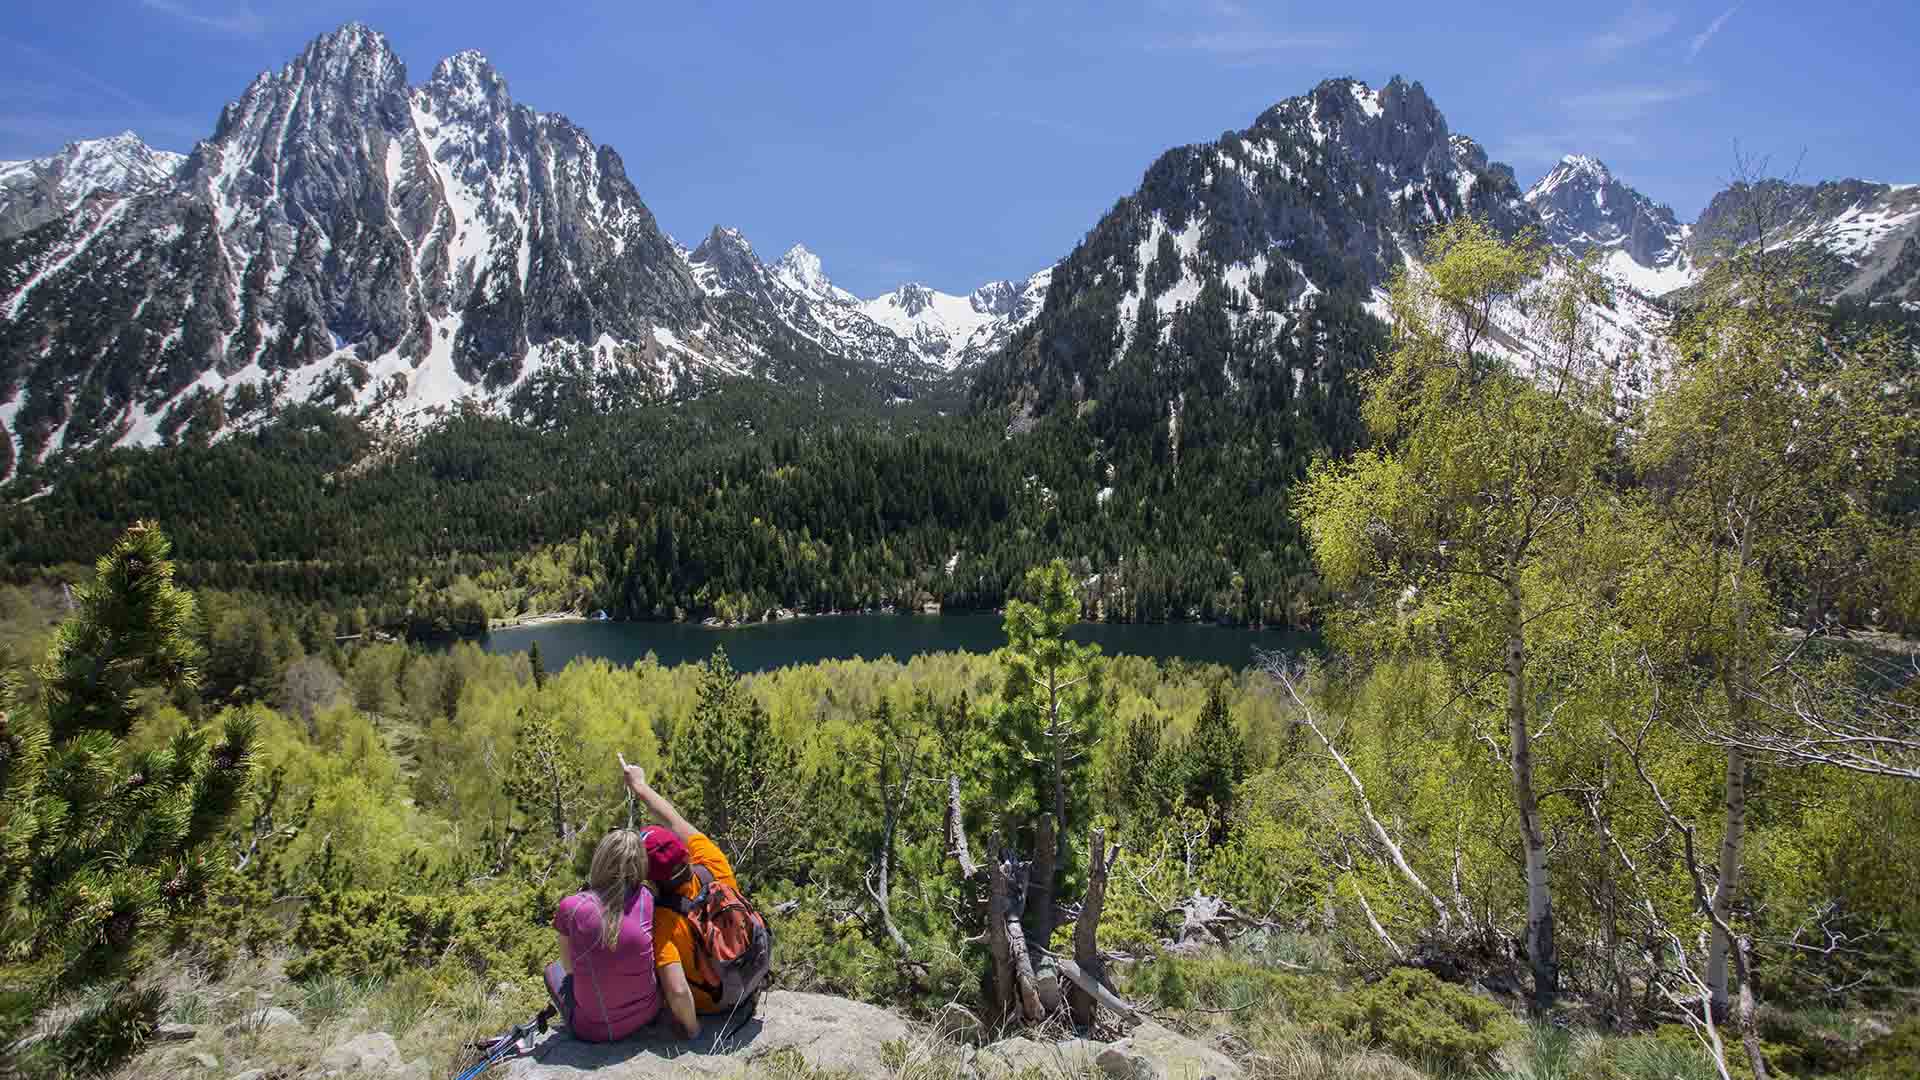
(746,501)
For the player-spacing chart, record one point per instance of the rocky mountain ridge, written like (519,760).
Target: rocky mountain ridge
(39,190)
(347,239)
(1866,236)
(912,328)
(1270,247)
(1584,208)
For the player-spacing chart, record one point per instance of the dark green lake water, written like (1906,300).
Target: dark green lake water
(804,641)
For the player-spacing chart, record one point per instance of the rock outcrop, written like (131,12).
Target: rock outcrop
(848,1038)
(828,1033)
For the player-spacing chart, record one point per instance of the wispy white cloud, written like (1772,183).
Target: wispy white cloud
(1546,148)
(1253,43)
(1700,39)
(242,20)
(1636,26)
(1227,9)
(1628,100)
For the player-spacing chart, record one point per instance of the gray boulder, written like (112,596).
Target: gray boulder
(266,1019)
(1154,1052)
(374,1052)
(827,1033)
(1149,1052)
(1020,1055)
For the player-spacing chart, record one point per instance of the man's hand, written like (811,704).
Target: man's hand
(636,778)
(673,987)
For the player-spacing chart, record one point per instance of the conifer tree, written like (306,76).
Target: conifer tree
(1052,695)
(1216,760)
(539,665)
(731,773)
(100,850)
(544,778)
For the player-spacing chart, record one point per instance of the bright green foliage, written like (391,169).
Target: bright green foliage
(501,931)
(103,848)
(1461,528)
(544,778)
(1420,1018)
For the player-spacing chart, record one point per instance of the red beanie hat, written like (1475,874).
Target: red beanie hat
(666,855)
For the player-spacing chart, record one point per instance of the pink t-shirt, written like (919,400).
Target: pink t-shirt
(615,993)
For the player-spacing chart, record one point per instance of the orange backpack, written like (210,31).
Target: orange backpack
(731,940)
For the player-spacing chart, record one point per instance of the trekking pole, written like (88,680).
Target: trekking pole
(624,787)
(500,1047)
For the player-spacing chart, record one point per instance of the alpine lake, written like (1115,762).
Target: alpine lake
(807,640)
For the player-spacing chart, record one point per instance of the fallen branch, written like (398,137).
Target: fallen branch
(1096,990)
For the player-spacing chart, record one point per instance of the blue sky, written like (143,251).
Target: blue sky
(960,142)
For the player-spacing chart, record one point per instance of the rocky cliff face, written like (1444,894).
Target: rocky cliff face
(1864,237)
(348,239)
(1239,268)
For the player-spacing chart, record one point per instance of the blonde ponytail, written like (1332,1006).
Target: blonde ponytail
(619,870)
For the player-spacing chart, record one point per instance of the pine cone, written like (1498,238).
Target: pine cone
(176,887)
(120,929)
(136,781)
(223,758)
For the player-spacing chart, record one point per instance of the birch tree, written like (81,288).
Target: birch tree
(1765,446)
(1486,457)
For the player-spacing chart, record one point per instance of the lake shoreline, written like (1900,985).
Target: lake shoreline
(811,639)
(712,623)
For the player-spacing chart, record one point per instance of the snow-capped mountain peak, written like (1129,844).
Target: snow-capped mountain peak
(38,190)
(909,327)
(800,270)
(1585,208)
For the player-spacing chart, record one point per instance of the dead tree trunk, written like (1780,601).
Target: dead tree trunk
(1733,839)
(957,833)
(1013,969)
(1040,898)
(879,880)
(1086,945)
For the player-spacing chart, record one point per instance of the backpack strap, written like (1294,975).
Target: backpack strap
(686,905)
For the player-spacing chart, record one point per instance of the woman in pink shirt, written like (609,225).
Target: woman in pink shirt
(604,983)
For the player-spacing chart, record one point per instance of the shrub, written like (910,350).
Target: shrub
(1418,1017)
(1894,1056)
(382,934)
